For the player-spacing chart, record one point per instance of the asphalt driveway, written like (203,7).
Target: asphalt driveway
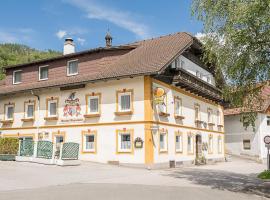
(230,180)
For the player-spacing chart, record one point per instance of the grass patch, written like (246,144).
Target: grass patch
(264,175)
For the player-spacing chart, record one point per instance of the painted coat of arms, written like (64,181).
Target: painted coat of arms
(72,106)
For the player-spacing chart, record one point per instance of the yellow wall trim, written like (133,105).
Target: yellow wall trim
(149,123)
(148,118)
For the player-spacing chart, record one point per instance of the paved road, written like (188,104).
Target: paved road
(223,181)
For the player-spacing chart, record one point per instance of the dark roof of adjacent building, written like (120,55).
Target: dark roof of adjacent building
(145,57)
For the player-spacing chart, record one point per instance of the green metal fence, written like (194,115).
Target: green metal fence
(44,149)
(26,148)
(70,151)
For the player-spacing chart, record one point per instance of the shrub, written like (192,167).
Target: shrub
(9,145)
(264,175)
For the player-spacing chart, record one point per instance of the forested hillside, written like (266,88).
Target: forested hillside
(11,54)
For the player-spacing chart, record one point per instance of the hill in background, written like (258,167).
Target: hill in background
(12,54)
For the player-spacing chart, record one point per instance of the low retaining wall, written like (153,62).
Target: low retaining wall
(7,157)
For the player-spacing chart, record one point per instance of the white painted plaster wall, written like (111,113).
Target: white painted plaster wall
(235,133)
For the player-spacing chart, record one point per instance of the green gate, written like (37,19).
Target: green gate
(26,148)
(70,151)
(44,149)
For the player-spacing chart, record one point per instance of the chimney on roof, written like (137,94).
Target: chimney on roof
(108,39)
(69,46)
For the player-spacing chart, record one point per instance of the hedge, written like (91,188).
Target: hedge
(264,175)
(9,145)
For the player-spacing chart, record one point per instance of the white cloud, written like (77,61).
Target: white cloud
(18,35)
(61,34)
(120,18)
(81,41)
(200,35)
(6,37)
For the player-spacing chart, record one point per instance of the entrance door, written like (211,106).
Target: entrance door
(198,146)
(59,139)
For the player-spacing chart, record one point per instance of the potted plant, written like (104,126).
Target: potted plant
(8,148)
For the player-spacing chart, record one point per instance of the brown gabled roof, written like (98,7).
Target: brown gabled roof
(144,57)
(264,95)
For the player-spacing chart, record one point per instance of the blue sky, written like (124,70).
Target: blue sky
(43,24)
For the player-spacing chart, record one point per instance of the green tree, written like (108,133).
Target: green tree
(12,54)
(237,42)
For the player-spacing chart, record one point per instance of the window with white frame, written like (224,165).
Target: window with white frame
(125,101)
(190,146)
(52,107)
(177,106)
(124,141)
(29,109)
(178,143)
(210,115)
(220,145)
(72,67)
(43,72)
(17,76)
(163,142)
(89,142)
(210,144)
(9,109)
(197,112)
(93,104)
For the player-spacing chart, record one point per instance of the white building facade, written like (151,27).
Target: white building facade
(118,112)
(247,142)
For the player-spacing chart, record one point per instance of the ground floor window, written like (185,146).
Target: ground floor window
(89,139)
(178,142)
(210,144)
(190,147)
(246,144)
(124,141)
(163,141)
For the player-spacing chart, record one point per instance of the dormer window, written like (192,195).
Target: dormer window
(17,76)
(72,67)
(43,72)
